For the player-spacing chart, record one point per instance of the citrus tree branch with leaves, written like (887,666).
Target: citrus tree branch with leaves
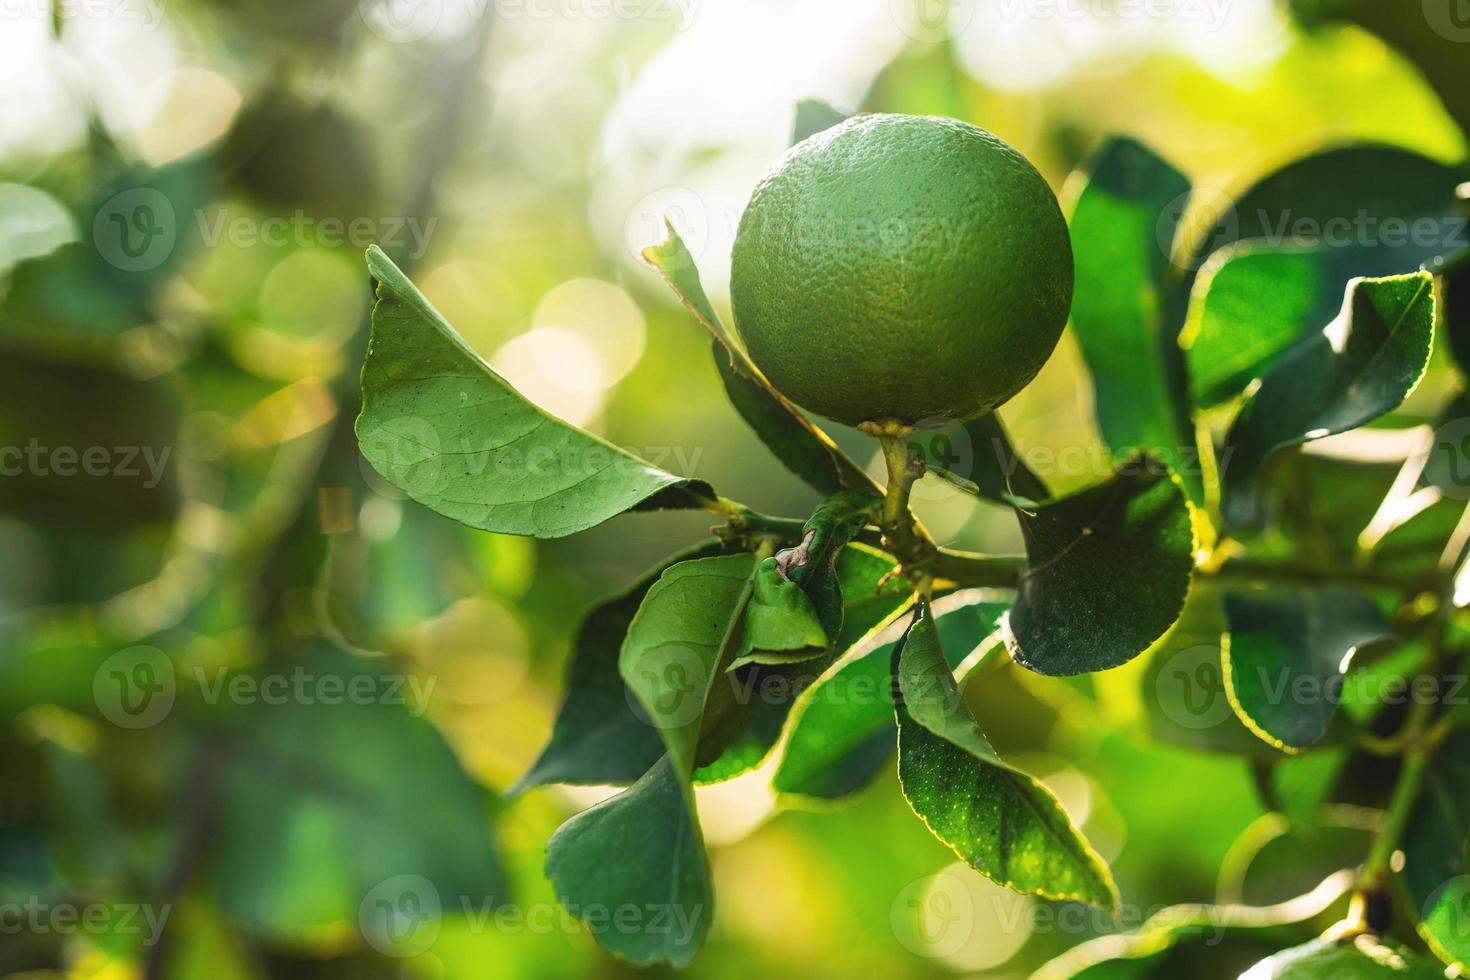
(1221,360)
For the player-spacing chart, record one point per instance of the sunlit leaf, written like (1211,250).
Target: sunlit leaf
(1361,365)
(1123,225)
(643,847)
(1108,571)
(438,423)
(999,820)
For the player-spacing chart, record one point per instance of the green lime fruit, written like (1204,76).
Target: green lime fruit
(901,268)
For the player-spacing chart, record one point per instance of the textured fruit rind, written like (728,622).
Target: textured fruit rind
(901,267)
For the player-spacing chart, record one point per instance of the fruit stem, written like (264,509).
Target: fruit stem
(900,533)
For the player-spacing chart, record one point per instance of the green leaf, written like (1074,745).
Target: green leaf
(438,423)
(598,739)
(1287,248)
(843,730)
(999,820)
(1363,959)
(1108,572)
(642,851)
(1436,873)
(676,642)
(812,117)
(1287,653)
(1360,196)
(781,624)
(642,848)
(825,537)
(801,447)
(1360,366)
(1123,224)
(322,803)
(1250,305)
(758,703)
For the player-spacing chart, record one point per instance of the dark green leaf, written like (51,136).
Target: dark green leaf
(1363,959)
(999,820)
(825,537)
(803,448)
(1286,656)
(1361,196)
(438,423)
(1360,210)
(598,738)
(842,729)
(1454,296)
(765,696)
(642,848)
(812,117)
(677,641)
(781,624)
(1123,225)
(1361,365)
(1109,570)
(642,851)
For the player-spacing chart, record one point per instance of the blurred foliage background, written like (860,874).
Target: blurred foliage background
(186,188)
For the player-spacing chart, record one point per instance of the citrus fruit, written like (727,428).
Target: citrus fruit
(901,268)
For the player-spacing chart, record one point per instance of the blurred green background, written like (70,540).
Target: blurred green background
(196,563)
